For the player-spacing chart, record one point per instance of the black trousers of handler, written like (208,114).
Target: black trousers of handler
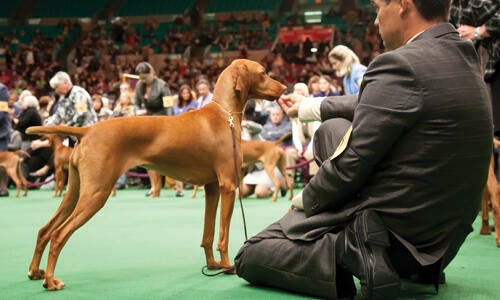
(310,267)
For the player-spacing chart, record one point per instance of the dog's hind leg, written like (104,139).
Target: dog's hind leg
(65,209)
(289,182)
(12,174)
(92,198)
(269,168)
(211,202)
(23,180)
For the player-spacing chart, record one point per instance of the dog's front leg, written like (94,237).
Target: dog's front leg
(226,212)
(211,202)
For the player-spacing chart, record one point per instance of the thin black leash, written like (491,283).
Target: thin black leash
(237,177)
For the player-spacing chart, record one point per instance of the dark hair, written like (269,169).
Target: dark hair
(432,10)
(143,68)
(183,102)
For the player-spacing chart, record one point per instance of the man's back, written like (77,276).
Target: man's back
(436,169)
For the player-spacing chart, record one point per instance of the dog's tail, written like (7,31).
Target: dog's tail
(21,151)
(77,132)
(283,137)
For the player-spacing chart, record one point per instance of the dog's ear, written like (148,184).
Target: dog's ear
(240,78)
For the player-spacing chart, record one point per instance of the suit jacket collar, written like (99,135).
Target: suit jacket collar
(437,31)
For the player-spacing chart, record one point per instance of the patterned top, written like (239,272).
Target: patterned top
(74,109)
(476,13)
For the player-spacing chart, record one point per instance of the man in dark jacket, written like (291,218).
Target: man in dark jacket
(402,170)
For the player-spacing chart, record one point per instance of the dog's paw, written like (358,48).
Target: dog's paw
(36,274)
(53,284)
(230,270)
(485,230)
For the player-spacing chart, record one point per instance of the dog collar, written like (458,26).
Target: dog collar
(229,113)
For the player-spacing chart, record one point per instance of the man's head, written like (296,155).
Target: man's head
(276,115)
(399,20)
(203,87)
(146,73)
(61,83)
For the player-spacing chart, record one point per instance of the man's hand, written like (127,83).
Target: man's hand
(290,104)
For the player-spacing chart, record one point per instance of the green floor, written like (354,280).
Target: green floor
(141,248)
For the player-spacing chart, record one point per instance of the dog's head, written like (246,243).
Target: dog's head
(250,80)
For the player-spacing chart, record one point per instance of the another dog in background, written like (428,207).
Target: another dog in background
(11,161)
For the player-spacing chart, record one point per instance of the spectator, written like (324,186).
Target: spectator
(479,21)
(101,108)
(346,64)
(313,85)
(325,87)
(29,117)
(186,101)
(16,140)
(258,181)
(43,108)
(205,96)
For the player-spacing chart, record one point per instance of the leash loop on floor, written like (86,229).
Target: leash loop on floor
(204,270)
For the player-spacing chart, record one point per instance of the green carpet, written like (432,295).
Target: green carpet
(141,248)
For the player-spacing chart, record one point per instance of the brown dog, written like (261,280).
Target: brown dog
(272,155)
(165,144)
(12,164)
(491,191)
(61,162)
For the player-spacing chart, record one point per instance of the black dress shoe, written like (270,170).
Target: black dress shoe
(4,193)
(361,249)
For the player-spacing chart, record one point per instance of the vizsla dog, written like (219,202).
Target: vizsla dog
(165,144)
(272,155)
(12,163)
(61,162)
(491,191)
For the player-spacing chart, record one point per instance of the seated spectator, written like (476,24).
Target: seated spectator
(325,87)
(15,140)
(185,101)
(101,108)
(43,109)
(29,117)
(125,106)
(313,85)
(205,96)
(257,181)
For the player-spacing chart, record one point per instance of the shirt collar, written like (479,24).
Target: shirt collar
(414,37)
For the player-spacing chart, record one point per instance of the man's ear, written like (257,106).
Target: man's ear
(405,6)
(240,79)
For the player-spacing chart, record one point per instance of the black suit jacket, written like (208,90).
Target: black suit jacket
(419,150)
